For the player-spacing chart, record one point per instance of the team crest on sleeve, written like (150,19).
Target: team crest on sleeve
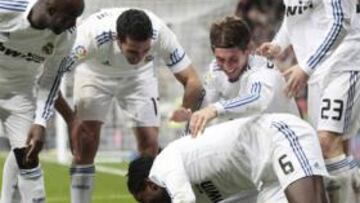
(48,49)
(80,52)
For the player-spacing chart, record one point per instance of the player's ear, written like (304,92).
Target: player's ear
(151,185)
(248,49)
(50,7)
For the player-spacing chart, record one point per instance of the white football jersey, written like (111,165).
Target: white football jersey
(23,50)
(185,171)
(260,89)
(323,33)
(238,156)
(96,45)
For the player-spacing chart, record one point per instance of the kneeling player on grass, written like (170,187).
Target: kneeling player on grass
(267,158)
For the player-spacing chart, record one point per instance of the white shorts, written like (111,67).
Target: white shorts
(16,116)
(287,151)
(273,152)
(296,151)
(335,105)
(137,97)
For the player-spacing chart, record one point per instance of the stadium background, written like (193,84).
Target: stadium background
(190,20)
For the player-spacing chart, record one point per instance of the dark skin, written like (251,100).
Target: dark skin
(57,16)
(152,193)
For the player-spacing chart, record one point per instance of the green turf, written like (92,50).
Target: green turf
(115,165)
(108,189)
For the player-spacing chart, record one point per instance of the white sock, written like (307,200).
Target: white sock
(9,190)
(82,183)
(340,183)
(31,185)
(355,171)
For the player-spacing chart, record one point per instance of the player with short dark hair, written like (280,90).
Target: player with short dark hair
(265,158)
(114,53)
(134,24)
(230,32)
(33,33)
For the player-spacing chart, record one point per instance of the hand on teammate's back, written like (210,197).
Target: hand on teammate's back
(35,142)
(200,118)
(296,80)
(181,115)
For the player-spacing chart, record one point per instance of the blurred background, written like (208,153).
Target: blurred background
(190,20)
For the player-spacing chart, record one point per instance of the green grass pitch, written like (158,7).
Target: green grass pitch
(109,188)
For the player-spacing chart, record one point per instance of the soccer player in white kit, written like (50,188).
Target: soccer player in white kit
(238,83)
(33,33)
(268,157)
(115,50)
(325,36)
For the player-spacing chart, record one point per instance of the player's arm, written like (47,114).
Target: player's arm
(255,100)
(192,87)
(64,108)
(73,122)
(210,94)
(11,14)
(259,93)
(82,49)
(168,171)
(339,16)
(180,65)
(279,44)
(48,85)
(66,55)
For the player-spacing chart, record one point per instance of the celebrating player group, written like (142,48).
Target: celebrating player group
(258,150)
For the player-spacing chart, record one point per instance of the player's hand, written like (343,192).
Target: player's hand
(200,118)
(181,115)
(34,142)
(296,80)
(269,50)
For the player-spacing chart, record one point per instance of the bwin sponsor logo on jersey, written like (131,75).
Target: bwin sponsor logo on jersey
(16,54)
(298,9)
(210,190)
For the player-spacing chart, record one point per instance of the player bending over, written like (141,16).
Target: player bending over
(115,51)
(266,158)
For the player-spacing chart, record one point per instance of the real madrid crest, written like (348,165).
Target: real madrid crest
(80,52)
(48,48)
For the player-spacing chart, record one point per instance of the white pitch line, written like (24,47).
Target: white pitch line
(107,197)
(112,171)
(99,168)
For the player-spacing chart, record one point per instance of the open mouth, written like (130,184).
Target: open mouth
(230,71)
